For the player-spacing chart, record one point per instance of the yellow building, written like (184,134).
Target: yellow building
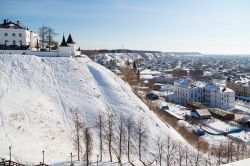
(241,87)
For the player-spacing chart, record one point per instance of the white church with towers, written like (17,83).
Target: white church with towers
(68,48)
(18,39)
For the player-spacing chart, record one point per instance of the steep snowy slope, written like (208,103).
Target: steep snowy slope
(36,95)
(123,57)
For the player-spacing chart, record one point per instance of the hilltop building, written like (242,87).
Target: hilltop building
(17,39)
(13,35)
(211,95)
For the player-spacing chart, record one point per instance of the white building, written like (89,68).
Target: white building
(15,36)
(68,48)
(211,95)
(16,39)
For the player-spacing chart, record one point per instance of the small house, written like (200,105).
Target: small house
(201,114)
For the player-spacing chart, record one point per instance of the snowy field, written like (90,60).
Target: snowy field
(36,95)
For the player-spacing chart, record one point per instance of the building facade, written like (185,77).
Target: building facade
(17,39)
(208,94)
(15,36)
(241,87)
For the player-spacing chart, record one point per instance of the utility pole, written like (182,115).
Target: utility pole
(97,159)
(10,152)
(43,156)
(71,163)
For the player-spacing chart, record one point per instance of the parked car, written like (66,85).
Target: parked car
(165,108)
(152,96)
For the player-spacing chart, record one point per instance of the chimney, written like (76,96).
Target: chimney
(4,21)
(18,22)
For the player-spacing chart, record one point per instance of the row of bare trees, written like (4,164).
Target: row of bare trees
(82,136)
(120,137)
(46,38)
(125,138)
(172,152)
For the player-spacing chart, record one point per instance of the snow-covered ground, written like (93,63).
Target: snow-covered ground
(37,93)
(215,126)
(244,162)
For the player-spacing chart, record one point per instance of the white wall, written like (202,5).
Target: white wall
(15,52)
(27,37)
(45,53)
(29,52)
(73,48)
(65,51)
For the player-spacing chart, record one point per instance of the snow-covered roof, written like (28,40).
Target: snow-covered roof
(188,83)
(184,82)
(148,71)
(11,25)
(203,112)
(146,77)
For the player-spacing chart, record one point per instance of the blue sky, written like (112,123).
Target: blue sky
(208,26)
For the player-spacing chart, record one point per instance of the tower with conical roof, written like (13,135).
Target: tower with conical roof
(72,44)
(64,48)
(63,43)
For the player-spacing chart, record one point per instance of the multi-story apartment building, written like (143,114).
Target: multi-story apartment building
(208,94)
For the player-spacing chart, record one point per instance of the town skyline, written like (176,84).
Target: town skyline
(209,27)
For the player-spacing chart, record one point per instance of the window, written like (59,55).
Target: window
(5,34)
(14,42)
(6,41)
(20,35)
(20,41)
(13,34)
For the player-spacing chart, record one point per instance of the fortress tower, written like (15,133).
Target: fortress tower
(72,45)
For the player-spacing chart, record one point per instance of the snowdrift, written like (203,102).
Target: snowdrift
(37,93)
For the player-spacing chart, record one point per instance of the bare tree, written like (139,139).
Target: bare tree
(121,130)
(198,154)
(229,151)
(88,141)
(196,73)
(130,76)
(160,147)
(186,155)
(51,43)
(171,146)
(46,35)
(100,130)
(110,133)
(178,73)
(78,125)
(180,154)
(42,31)
(142,137)
(130,126)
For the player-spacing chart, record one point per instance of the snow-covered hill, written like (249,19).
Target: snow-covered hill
(37,93)
(123,57)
